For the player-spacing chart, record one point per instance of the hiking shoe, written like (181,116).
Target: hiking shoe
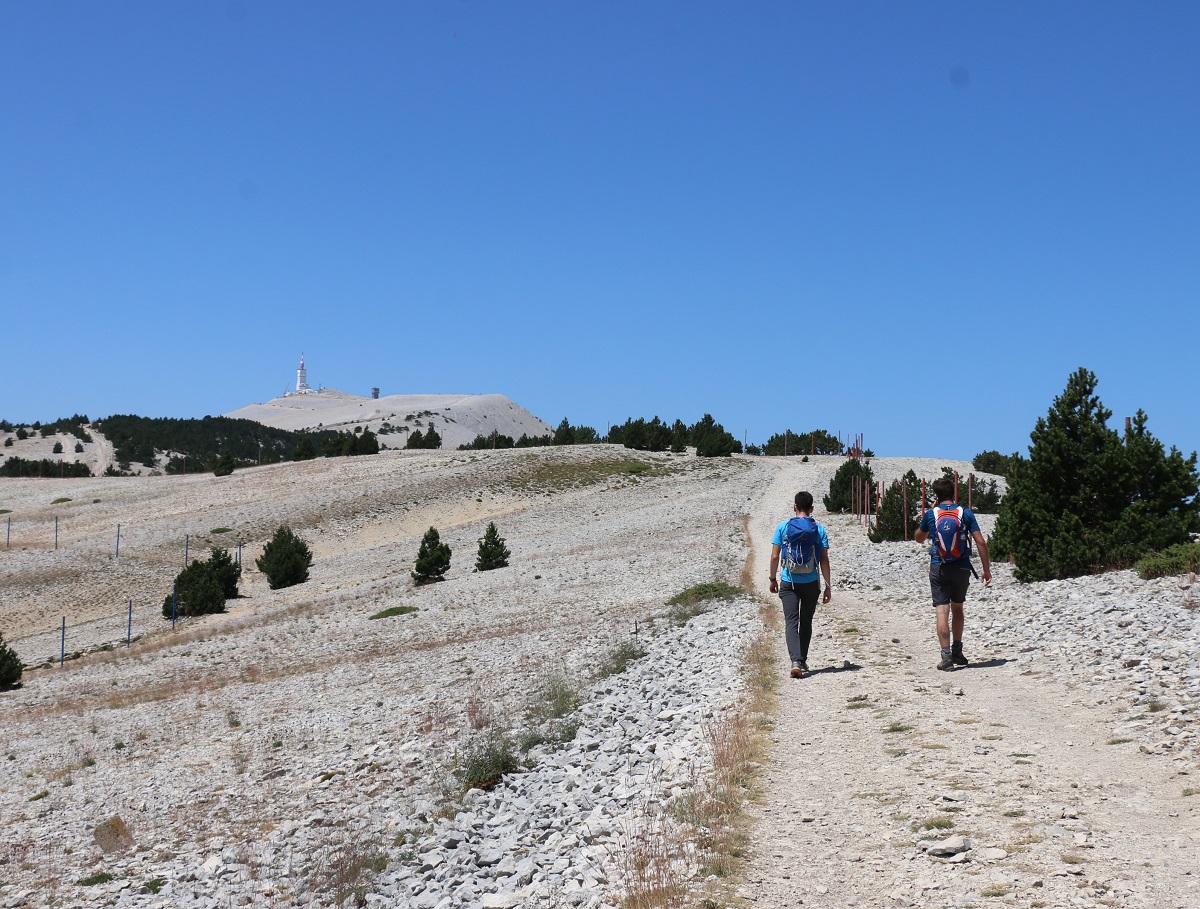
(797,670)
(946,663)
(959,659)
(804,667)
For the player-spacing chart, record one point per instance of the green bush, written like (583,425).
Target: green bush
(492,551)
(226,571)
(433,559)
(1174,560)
(285,560)
(198,591)
(57,449)
(841,487)
(1086,500)
(224,465)
(428,439)
(10,665)
(992,461)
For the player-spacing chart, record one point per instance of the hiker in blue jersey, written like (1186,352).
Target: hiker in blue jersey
(952,528)
(803,546)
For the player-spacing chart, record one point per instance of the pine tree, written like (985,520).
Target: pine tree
(892,516)
(10,665)
(1084,502)
(841,487)
(492,551)
(285,559)
(433,559)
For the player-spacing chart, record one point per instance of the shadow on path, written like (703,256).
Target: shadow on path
(989,664)
(830,670)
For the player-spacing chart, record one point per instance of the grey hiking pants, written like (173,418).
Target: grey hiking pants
(799,607)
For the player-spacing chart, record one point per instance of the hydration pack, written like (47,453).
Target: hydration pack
(949,534)
(801,549)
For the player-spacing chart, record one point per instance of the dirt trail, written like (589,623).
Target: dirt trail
(876,743)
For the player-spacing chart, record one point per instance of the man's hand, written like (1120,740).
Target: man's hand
(827,595)
(774,586)
(987,577)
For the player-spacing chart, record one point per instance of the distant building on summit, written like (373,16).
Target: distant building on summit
(302,386)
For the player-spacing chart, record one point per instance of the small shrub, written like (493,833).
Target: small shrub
(41,795)
(555,697)
(57,449)
(78,448)
(433,559)
(155,884)
(10,665)
(1174,560)
(492,551)
(285,560)
(618,659)
(59,501)
(221,530)
(394,610)
(102,878)
(485,759)
(203,587)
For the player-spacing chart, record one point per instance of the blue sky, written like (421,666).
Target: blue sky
(908,220)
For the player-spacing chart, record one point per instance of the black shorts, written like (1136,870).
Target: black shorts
(949,583)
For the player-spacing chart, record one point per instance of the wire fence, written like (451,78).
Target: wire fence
(132,617)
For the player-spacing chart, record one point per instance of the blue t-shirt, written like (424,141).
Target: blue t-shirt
(778,540)
(970,525)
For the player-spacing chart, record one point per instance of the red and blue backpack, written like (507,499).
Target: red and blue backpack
(950,534)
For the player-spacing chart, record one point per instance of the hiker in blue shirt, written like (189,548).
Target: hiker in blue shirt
(952,528)
(804,547)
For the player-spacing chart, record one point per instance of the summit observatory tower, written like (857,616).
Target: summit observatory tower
(302,378)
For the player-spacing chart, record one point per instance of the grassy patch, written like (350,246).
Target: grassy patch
(994,890)
(221,530)
(41,795)
(617,659)
(1015,812)
(936,822)
(851,630)
(1118,741)
(485,759)
(1156,706)
(555,697)
(102,878)
(60,500)
(155,884)
(699,593)
(696,600)
(5,511)
(394,610)
(1071,859)
(1190,791)
(898,727)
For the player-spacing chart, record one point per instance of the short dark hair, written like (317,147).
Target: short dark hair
(943,488)
(804,501)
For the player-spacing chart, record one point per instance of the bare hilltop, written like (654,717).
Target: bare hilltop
(457,418)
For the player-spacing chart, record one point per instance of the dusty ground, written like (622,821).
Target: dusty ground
(875,744)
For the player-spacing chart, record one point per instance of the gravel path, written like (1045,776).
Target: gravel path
(1049,773)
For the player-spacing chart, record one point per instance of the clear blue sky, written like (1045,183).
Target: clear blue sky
(910,220)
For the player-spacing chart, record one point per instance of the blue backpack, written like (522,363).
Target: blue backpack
(801,549)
